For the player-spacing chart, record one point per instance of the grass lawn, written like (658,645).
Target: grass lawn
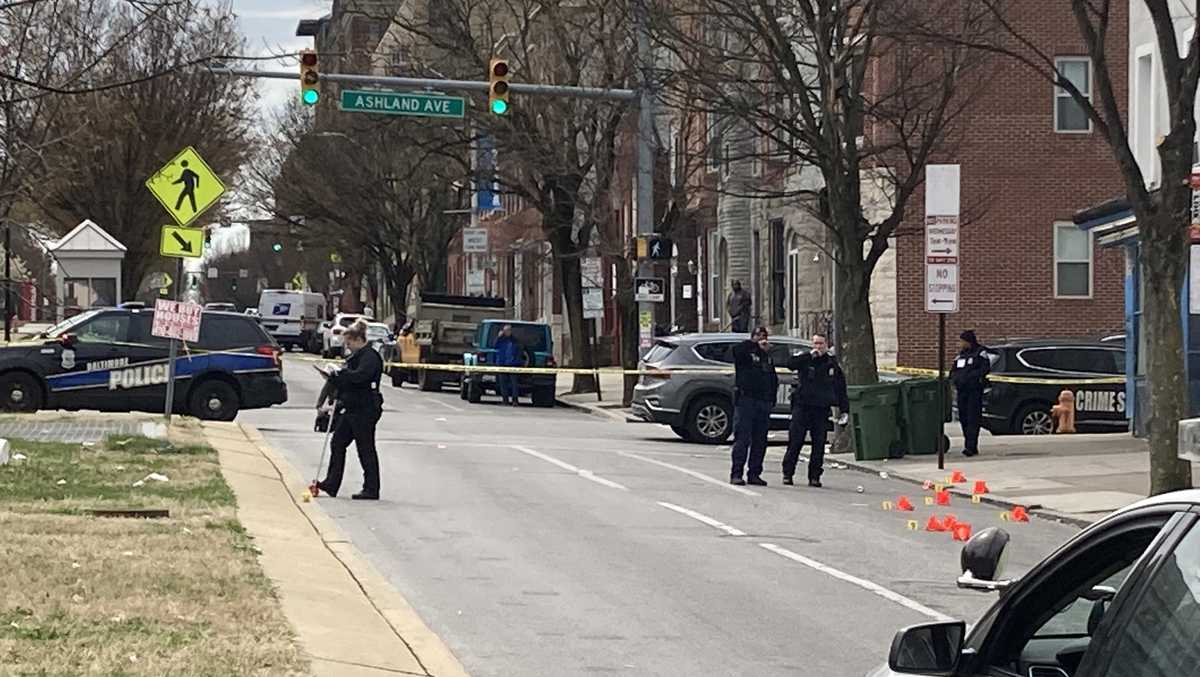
(84,595)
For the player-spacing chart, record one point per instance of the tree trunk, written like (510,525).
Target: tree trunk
(854,326)
(558,226)
(626,313)
(1164,258)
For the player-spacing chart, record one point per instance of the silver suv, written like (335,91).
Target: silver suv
(697,405)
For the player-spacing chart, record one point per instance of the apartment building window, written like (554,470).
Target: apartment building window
(1069,116)
(716,266)
(778,273)
(713,141)
(1072,261)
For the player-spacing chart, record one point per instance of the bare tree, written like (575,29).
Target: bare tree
(1164,214)
(384,188)
(838,102)
(112,142)
(548,148)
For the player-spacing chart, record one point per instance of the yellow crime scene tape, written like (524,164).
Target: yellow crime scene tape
(1026,380)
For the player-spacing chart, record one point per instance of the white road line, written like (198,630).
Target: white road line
(446,404)
(585,474)
(860,582)
(732,531)
(691,473)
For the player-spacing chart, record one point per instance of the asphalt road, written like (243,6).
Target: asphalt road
(552,542)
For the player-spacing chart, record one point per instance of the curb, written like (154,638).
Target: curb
(1043,513)
(590,409)
(430,651)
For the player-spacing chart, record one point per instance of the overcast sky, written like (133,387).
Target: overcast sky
(270,28)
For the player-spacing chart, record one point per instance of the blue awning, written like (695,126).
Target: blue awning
(1111,223)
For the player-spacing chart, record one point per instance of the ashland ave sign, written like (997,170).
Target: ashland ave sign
(403,103)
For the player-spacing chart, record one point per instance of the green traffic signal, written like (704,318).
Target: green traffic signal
(310,97)
(499,106)
(277,247)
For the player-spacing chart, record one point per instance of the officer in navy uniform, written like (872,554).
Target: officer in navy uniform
(360,405)
(754,397)
(820,385)
(969,375)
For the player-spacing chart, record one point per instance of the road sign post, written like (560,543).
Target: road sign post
(942,191)
(403,103)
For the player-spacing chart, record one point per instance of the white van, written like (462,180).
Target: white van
(293,317)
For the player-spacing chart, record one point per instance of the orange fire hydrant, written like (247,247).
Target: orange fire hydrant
(1064,413)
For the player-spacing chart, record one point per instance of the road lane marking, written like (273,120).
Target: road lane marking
(732,531)
(691,473)
(446,404)
(585,474)
(855,580)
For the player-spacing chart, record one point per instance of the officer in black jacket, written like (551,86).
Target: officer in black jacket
(820,384)
(754,398)
(360,405)
(969,375)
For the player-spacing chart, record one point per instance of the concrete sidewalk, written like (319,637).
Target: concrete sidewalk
(350,621)
(607,405)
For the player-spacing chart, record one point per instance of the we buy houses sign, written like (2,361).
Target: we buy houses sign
(177,320)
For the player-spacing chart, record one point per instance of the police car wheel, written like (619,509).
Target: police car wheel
(214,401)
(710,420)
(1035,419)
(20,392)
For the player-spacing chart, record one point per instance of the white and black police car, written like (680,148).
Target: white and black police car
(106,359)
(1028,376)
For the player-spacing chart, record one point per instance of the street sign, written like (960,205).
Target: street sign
(593,303)
(941,238)
(186,186)
(475,240)
(650,289)
(184,243)
(177,320)
(654,247)
(159,280)
(645,330)
(403,103)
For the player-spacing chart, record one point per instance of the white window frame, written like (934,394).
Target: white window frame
(1091,261)
(1062,93)
(713,138)
(714,275)
(1146,156)
(673,153)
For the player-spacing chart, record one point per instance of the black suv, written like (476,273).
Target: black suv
(1018,398)
(107,360)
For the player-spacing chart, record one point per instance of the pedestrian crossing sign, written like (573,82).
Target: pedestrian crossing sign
(186,186)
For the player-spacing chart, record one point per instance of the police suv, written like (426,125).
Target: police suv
(1027,378)
(106,359)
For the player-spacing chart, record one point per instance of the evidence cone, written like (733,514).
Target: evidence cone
(980,488)
(949,521)
(1019,514)
(962,531)
(933,524)
(943,497)
(957,476)
(904,504)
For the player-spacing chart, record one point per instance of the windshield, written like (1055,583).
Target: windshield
(377,331)
(70,323)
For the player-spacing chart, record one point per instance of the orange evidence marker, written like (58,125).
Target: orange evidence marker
(980,487)
(904,504)
(943,497)
(949,521)
(957,477)
(934,525)
(1019,514)
(962,531)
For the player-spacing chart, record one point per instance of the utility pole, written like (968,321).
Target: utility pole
(8,314)
(645,171)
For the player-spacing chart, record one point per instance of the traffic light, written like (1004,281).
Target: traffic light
(207,239)
(498,91)
(277,247)
(309,77)
(654,247)
(233,285)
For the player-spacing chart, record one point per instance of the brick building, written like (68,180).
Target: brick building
(1030,160)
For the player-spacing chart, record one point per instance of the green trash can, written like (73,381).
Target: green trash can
(919,415)
(874,420)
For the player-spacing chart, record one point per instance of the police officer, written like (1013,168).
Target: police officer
(820,384)
(969,375)
(754,398)
(360,405)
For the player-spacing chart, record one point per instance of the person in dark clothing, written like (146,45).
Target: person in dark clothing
(969,376)
(754,397)
(359,406)
(820,385)
(739,304)
(509,354)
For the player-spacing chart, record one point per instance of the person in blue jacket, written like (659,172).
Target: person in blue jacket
(509,353)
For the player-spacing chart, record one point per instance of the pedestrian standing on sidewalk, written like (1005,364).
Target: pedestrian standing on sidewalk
(739,304)
(820,385)
(754,397)
(509,353)
(969,375)
(359,406)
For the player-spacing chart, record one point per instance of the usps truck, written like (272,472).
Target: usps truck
(293,318)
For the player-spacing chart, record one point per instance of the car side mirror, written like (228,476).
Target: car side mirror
(982,560)
(68,340)
(928,649)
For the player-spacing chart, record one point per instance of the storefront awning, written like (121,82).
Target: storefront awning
(1112,223)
